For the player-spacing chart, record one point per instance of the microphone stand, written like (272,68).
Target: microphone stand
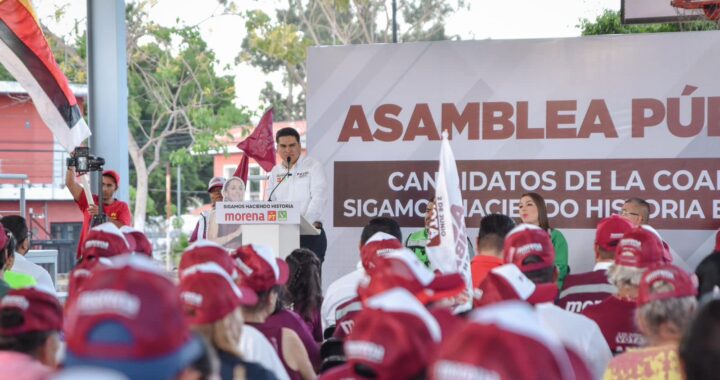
(281,180)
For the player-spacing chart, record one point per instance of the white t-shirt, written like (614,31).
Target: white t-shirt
(255,348)
(341,290)
(25,266)
(579,333)
(305,185)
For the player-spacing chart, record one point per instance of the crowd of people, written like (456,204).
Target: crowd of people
(244,313)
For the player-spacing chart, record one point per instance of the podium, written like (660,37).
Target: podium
(277,225)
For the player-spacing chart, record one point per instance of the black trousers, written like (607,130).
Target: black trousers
(315,243)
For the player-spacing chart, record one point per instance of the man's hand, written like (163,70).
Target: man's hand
(318,225)
(92,210)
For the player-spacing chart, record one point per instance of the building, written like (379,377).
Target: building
(28,147)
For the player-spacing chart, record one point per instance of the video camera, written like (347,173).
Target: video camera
(84,162)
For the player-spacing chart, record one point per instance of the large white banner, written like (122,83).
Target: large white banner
(586,122)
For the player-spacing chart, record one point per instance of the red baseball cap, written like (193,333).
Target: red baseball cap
(680,283)
(216,182)
(639,248)
(395,336)
(40,311)
(503,283)
(105,240)
(378,245)
(114,175)
(206,251)
(503,341)
(528,240)
(129,317)
(610,230)
(260,270)
(666,254)
(209,294)
(82,272)
(345,315)
(137,241)
(3,237)
(402,268)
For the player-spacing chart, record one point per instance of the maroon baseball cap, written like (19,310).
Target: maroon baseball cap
(40,311)
(666,254)
(639,248)
(137,241)
(216,182)
(206,251)
(394,337)
(378,245)
(503,283)
(402,268)
(114,175)
(528,240)
(3,237)
(610,230)
(260,270)
(680,284)
(503,341)
(81,273)
(129,317)
(209,294)
(105,240)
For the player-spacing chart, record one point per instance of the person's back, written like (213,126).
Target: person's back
(584,289)
(490,239)
(289,319)
(616,318)
(256,348)
(18,226)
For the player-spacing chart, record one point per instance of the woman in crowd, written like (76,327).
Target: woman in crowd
(304,289)
(227,235)
(533,211)
(700,347)
(708,273)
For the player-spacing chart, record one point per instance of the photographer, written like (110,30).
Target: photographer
(117,211)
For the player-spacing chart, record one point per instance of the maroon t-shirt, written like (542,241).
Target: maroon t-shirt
(616,319)
(118,210)
(273,333)
(584,289)
(291,320)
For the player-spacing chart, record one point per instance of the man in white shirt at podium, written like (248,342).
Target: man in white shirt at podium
(301,180)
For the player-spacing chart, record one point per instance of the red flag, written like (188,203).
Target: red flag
(258,146)
(27,57)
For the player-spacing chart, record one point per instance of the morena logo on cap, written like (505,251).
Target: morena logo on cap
(446,369)
(192,298)
(631,242)
(528,248)
(660,273)
(15,301)
(108,301)
(97,244)
(617,235)
(365,350)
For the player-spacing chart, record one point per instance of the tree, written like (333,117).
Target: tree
(178,105)
(609,22)
(281,44)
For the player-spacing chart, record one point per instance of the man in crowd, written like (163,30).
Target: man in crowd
(637,211)
(17,225)
(215,190)
(589,288)
(302,180)
(490,240)
(117,211)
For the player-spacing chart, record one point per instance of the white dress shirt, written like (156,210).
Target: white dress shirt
(255,348)
(25,266)
(305,185)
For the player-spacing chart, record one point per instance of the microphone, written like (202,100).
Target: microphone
(287,174)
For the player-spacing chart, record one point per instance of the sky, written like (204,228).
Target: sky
(485,19)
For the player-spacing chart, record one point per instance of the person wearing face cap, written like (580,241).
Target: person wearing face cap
(215,191)
(227,235)
(264,273)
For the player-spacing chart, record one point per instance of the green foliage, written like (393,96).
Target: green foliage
(609,22)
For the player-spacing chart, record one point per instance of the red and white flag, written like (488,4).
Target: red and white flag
(259,146)
(26,55)
(448,248)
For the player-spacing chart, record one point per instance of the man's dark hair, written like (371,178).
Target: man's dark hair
(645,207)
(539,276)
(700,347)
(27,343)
(287,131)
(386,225)
(17,225)
(493,228)
(708,273)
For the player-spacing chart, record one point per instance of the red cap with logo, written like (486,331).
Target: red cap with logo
(105,240)
(209,294)
(378,245)
(610,230)
(81,273)
(528,240)
(394,338)
(114,175)
(677,284)
(401,268)
(666,254)
(206,251)
(504,341)
(216,182)
(137,241)
(259,269)
(639,248)
(503,283)
(40,311)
